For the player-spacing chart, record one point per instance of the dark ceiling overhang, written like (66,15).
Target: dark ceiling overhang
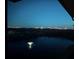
(69,6)
(14,0)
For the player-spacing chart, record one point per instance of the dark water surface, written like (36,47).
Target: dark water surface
(43,47)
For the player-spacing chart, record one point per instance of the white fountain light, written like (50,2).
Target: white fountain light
(30,44)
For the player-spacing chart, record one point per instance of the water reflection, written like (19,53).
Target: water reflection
(43,43)
(41,46)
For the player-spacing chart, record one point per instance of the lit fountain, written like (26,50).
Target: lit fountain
(30,44)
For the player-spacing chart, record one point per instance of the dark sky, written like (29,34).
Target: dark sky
(37,13)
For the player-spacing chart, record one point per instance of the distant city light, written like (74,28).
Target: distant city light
(56,27)
(65,27)
(41,27)
(36,27)
(49,27)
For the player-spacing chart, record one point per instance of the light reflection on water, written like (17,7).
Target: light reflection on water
(42,43)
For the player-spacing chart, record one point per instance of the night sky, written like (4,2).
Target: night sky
(37,13)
